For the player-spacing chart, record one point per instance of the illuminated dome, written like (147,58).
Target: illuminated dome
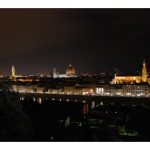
(70,71)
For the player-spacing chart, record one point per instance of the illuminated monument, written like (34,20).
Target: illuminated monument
(70,71)
(133,79)
(144,72)
(13,73)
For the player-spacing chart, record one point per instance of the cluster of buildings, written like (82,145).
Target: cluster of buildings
(129,85)
(70,72)
(105,90)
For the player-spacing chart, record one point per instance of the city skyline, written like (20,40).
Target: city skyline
(92,40)
(74,75)
(64,72)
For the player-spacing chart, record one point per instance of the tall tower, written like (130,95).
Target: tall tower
(144,72)
(54,73)
(13,71)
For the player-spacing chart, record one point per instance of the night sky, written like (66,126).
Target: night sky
(92,40)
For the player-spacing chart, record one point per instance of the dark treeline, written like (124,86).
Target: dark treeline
(15,125)
(64,121)
(117,122)
(30,121)
(50,118)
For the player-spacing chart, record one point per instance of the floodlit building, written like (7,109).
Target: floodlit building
(118,79)
(127,90)
(70,71)
(99,90)
(80,90)
(135,90)
(13,73)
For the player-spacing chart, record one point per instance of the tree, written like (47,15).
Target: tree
(14,123)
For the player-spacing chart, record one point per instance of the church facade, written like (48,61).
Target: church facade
(144,78)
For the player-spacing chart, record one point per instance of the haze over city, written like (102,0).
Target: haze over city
(38,40)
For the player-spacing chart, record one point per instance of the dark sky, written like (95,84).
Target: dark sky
(92,40)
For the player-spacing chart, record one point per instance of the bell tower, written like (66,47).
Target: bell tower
(144,72)
(13,71)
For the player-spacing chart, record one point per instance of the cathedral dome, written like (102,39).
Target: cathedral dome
(70,71)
